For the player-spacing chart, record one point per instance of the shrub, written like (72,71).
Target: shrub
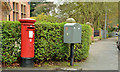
(48,42)
(46,18)
(82,50)
(10,41)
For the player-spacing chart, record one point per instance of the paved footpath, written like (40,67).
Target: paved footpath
(103,55)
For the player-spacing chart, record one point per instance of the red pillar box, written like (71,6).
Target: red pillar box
(27,42)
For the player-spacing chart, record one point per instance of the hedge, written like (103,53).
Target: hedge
(48,42)
(10,41)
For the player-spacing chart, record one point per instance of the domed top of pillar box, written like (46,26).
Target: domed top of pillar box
(27,20)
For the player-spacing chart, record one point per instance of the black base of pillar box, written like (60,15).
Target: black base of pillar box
(27,62)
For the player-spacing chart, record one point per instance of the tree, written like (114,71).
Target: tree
(93,12)
(32,7)
(41,7)
(45,18)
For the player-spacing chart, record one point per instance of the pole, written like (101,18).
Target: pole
(105,23)
(72,54)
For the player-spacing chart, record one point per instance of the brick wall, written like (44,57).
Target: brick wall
(92,37)
(27,10)
(11,12)
(19,10)
(0,11)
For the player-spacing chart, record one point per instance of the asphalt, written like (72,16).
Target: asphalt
(119,61)
(103,55)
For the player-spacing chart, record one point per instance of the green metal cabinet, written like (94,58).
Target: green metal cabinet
(72,33)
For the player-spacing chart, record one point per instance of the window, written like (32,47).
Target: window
(24,15)
(16,17)
(13,16)
(21,8)
(16,6)
(9,17)
(13,5)
(23,11)
(15,11)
